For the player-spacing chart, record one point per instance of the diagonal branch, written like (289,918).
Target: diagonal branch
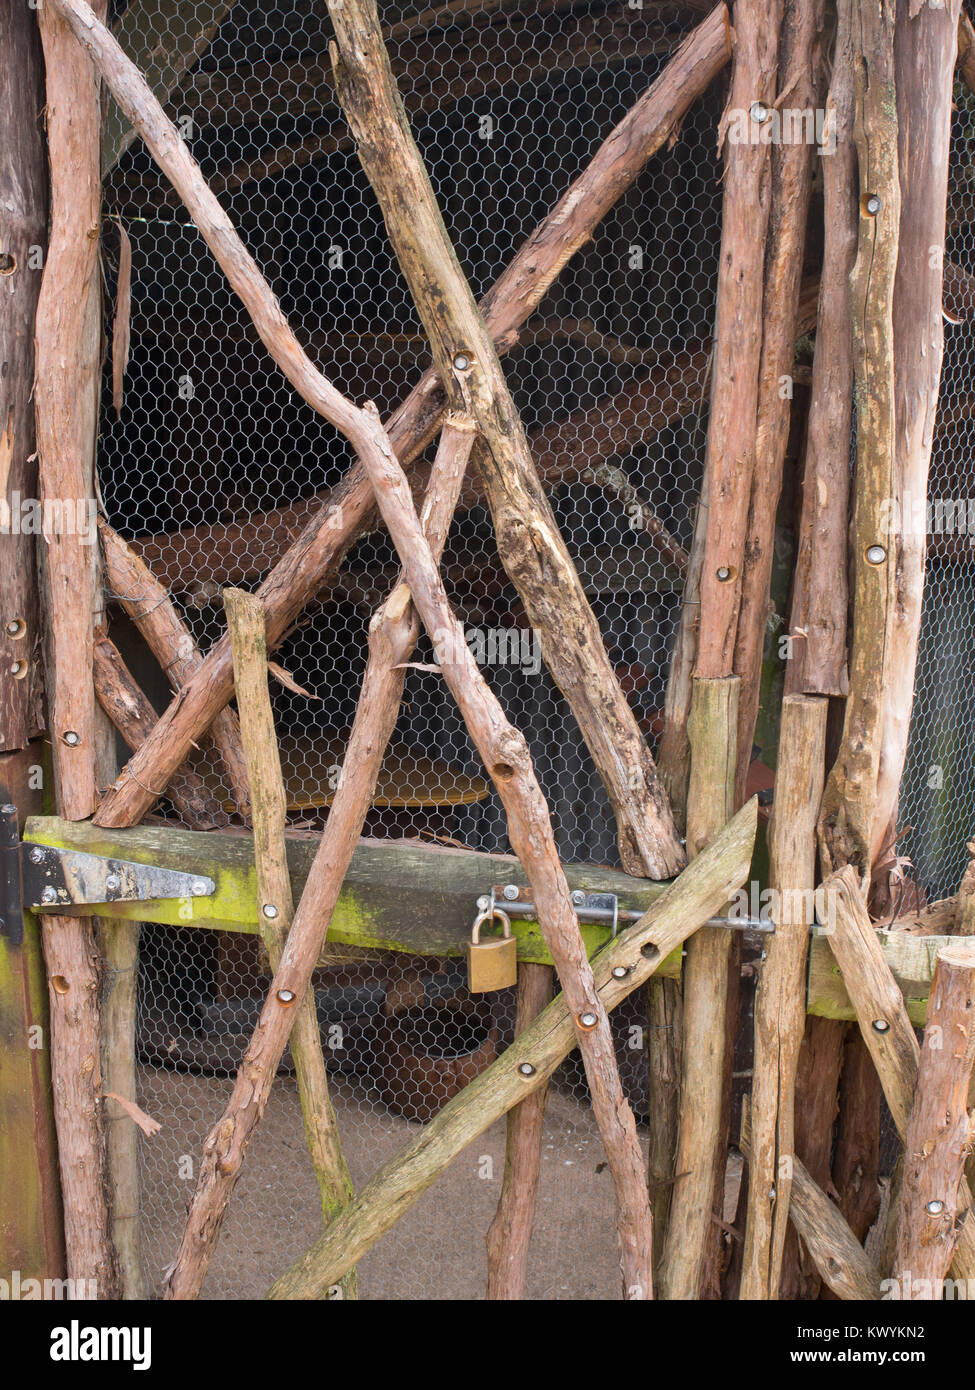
(319,549)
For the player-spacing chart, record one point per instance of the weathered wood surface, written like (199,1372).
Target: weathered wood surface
(117,942)
(665,1018)
(799,68)
(245,622)
(925,47)
(67,375)
(509,1235)
(850,800)
(733,426)
(411,896)
(939,1132)
(885,1026)
(530,545)
(702,1142)
(780,1003)
(150,607)
(23,239)
(323,541)
(697,894)
(820,594)
(134,717)
(71,957)
(838,1256)
(909,958)
(393,634)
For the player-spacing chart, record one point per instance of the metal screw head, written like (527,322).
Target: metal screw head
(461,361)
(199,888)
(935,1208)
(588,1020)
(876,555)
(37,855)
(49,895)
(112,881)
(873,203)
(620,972)
(511,891)
(880,1025)
(525,1069)
(16,627)
(286,996)
(483,903)
(759,112)
(270,911)
(72,739)
(723,574)
(578,897)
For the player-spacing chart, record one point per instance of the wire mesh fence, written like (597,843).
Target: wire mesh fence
(213,465)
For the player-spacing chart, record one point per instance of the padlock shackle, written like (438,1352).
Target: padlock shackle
(489,916)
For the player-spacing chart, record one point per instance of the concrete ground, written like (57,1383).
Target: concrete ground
(435,1252)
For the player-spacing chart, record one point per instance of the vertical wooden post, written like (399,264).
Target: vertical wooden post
(938,1130)
(509,1235)
(665,1008)
(780,1004)
(246,625)
(68,367)
(23,239)
(701,1146)
(118,944)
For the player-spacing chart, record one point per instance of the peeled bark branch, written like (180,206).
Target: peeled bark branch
(529,543)
(319,548)
(700,890)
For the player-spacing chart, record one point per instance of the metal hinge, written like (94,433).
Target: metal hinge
(602,908)
(61,880)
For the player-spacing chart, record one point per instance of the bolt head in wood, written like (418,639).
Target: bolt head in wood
(270,911)
(620,972)
(880,1025)
(935,1208)
(286,996)
(759,112)
(876,554)
(525,1069)
(723,573)
(511,891)
(872,204)
(461,362)
(72,739)
(588,1021)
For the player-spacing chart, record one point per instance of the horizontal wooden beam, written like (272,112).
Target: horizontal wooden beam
(911,959)
(397,896)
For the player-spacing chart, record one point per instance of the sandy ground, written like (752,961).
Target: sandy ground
(435,1252)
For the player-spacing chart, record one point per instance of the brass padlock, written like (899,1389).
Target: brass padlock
(491,964)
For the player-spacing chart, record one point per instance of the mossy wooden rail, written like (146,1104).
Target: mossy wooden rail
(419,899)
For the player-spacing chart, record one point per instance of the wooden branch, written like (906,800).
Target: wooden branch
(732,431)
(509,1235)
(702,1144)
(800,65)
(320,547)
(939,1132)
(67,374)
(884,1023)
(849,802)
(392,637)
(665,1022)
(152,610)
(118,946)
(838,1255)
(71,958)
(925,46)
(780,1003)
(529,543)
(699,891)
(820,593)
(166,38)
(856,1156)
(134,717)
(245,622)
(23,197)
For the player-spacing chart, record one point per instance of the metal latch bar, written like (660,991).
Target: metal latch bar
(601,908)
